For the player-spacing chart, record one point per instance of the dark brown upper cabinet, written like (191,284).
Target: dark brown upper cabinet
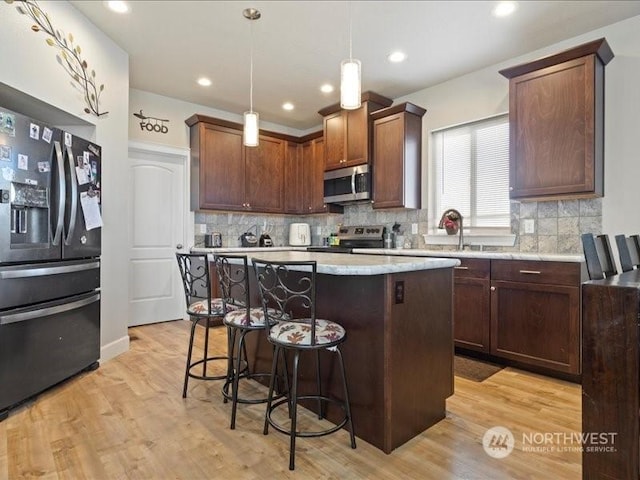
(556,124)
(225,175)
(397,153)
(348,133)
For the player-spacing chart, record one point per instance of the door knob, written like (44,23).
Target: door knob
(179,246)
(493,289)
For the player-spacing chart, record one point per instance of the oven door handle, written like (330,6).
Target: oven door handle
(44,312)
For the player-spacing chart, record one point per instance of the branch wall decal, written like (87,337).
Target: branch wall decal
(69,57)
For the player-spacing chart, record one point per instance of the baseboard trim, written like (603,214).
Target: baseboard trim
(113,349)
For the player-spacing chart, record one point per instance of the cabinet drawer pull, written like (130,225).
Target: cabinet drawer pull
(461,268)
(530,272)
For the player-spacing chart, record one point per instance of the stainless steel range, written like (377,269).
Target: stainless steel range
(350,237)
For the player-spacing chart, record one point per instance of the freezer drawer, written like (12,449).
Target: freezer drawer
(45,344)
(29,284)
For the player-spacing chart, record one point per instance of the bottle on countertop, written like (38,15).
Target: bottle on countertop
(388,240)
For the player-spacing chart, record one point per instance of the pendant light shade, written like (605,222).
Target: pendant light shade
(350,78)
(250,136)
(251,132)
(350,84)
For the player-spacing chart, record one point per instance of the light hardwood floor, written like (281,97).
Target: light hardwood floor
(128,420)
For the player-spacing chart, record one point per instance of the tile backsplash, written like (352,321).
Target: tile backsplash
(557,225)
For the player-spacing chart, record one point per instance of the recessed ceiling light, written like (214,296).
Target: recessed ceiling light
(204,81)
(397,57)
(504,9)
(118,6)
(287,106)
(326,88)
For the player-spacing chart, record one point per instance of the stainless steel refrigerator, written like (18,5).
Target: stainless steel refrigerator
(50,241)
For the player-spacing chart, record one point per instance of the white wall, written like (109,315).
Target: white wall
(177,111)
(485,93)
(30,65)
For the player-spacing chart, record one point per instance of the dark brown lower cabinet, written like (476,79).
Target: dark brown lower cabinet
(527,312)
(471,321)
(536,324)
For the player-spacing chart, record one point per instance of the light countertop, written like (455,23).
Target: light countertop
(548,257)
(413,252)
(343,264)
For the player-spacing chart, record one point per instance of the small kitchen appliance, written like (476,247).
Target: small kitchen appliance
(248,239)
(299,234)
(265,240)
(347,185)
(213,240)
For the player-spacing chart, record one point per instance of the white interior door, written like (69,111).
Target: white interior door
(157,230)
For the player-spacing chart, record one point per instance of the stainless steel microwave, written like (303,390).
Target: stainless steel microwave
(347,185)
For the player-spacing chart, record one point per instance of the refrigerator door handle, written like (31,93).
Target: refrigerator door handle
(62,193)
(44,271)
(43,312)
(74,199)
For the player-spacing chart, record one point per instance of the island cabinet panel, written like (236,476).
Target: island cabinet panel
(535,313)
(398,353)
(397,151)
(419,353)
(348,133)
(472,314)
(556,119)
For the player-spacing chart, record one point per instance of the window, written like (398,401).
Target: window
(471,173)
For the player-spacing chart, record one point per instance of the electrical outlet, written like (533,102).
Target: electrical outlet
(414,228)
(318,230)
(202,228)
(529,225)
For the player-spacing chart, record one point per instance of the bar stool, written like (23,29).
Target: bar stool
(291,287)
(194,269)
(233,275)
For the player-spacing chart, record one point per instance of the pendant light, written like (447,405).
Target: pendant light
(250,134)
(350,80)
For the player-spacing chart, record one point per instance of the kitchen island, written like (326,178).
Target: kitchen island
(397,312)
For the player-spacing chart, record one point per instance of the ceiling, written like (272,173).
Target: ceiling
(298,46)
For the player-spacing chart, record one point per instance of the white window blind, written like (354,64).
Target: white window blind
(471,172)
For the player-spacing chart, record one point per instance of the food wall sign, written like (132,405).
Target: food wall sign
(152,124)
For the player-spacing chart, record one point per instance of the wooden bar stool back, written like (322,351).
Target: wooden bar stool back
(291,287)
(598,256)
(628,251)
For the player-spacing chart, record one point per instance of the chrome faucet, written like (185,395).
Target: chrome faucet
(454,216)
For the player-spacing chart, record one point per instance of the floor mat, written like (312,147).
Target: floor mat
(473,369)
